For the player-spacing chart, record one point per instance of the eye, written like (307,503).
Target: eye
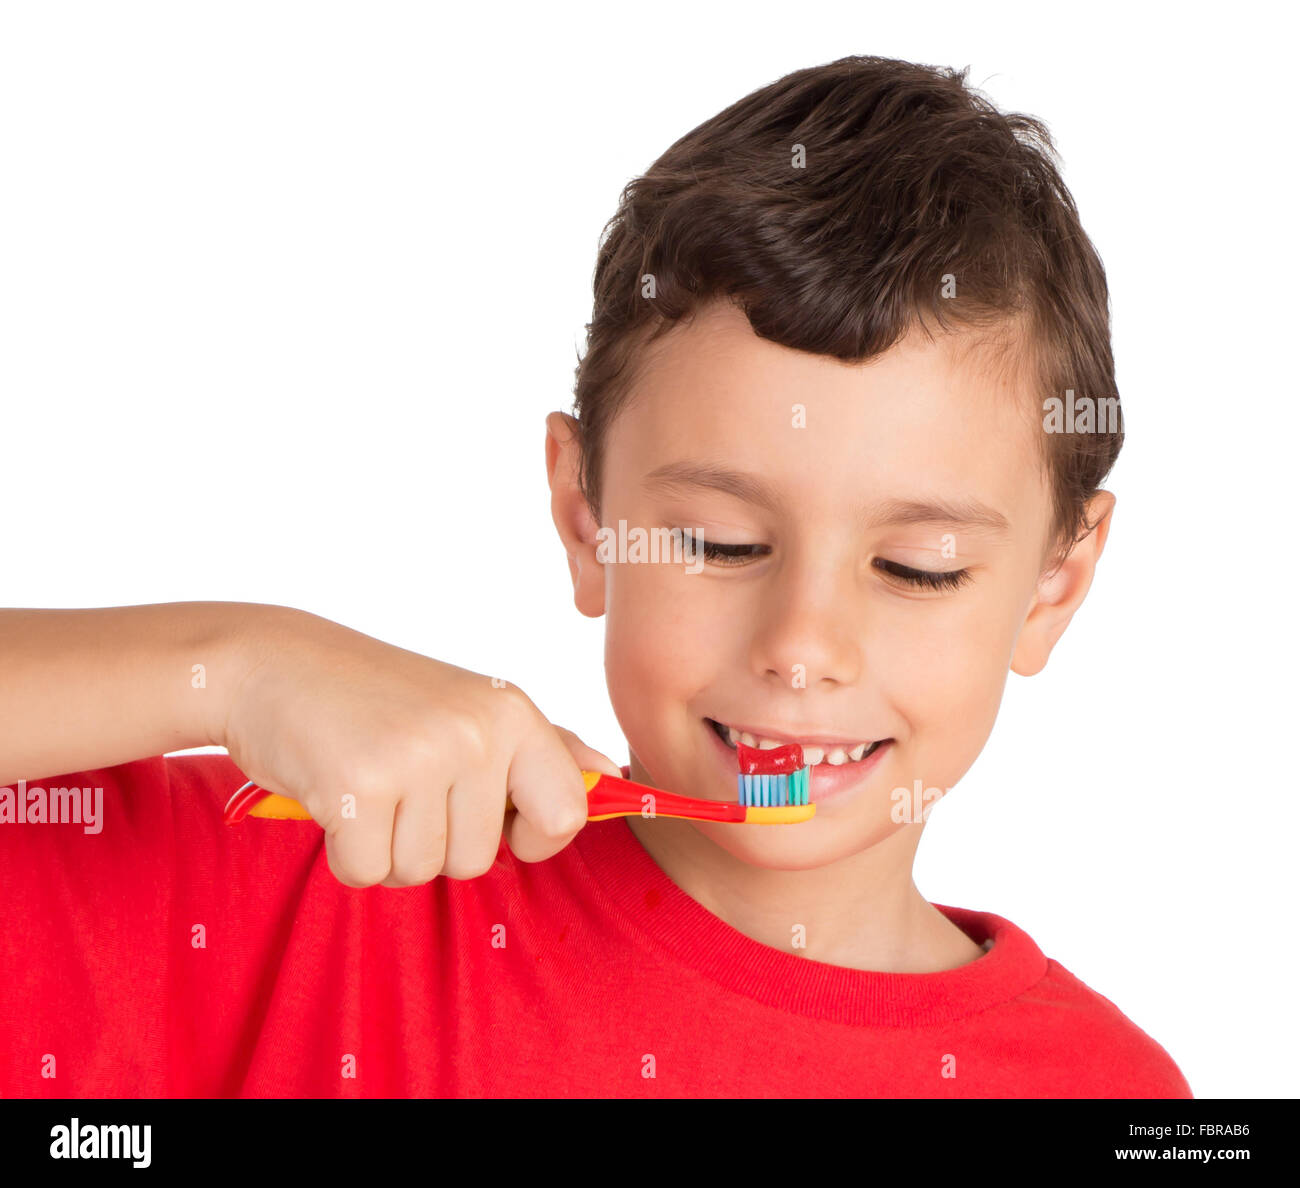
(731,554)
(925,578)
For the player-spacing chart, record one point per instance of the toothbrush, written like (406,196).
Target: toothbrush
(772,776)
(772,789)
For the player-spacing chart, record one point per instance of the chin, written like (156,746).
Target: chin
(787,847)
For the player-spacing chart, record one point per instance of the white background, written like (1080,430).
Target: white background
(287,290)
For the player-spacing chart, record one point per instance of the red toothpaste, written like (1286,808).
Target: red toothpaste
(784,760)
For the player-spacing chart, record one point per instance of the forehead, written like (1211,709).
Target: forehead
(928,417)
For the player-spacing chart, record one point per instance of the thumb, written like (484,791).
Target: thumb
(587,758)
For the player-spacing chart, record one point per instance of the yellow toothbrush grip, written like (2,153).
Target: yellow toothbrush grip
(279,808)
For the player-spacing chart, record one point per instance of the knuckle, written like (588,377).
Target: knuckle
(333,810)
(473,737)
(513,695)
(470,866)
(481,726)
(356,866)
(413,874)
(357,873)
(370,873)
(410,872)
(371,782)
(567,817)
(569,805)
(514,704)
(419,749)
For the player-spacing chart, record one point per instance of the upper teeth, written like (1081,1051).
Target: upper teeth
(811,755)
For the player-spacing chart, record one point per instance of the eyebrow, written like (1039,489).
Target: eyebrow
(963,513)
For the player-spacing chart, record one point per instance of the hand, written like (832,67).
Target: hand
(404,761)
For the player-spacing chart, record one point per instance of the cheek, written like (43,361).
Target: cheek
(947,671)
(948,687)
(663,637)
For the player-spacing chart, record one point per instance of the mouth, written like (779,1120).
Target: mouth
(819,752)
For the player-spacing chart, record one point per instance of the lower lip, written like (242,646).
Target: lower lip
(828,784)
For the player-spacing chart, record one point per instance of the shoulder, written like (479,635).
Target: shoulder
(141,813)
(1055,1029)
(1111,1056)
(91,812)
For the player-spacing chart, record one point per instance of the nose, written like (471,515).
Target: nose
(807,634)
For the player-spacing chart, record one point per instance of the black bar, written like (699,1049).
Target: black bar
(668,1138)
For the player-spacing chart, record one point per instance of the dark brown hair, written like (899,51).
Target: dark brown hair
(910,177)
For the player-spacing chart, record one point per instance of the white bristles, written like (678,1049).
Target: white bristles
(771,791)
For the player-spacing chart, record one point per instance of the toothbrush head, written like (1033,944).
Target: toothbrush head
(772,777)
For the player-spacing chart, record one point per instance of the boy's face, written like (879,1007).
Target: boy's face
(812,638)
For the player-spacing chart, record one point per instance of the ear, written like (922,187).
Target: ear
(573,519)
(1061,592)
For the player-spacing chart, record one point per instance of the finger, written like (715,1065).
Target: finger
(360,848)
(546,786)
(419,837)
(587,758)
(476,805)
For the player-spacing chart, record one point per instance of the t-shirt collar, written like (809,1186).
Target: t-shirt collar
(668,919)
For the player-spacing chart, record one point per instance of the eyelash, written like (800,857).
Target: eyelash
(727,554)
(948,580)
(924,578)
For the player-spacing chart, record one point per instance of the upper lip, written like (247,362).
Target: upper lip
(797,736)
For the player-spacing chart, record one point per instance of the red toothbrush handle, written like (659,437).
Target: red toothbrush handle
(613,796)
(607,796)
(237,806)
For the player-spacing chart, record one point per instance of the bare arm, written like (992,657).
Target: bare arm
(93,688)
(368,737)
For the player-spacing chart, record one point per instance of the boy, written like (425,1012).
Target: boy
(828,323)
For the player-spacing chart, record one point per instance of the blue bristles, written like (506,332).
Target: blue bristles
(768,791)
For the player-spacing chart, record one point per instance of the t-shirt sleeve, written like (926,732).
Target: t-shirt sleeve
(141,935)
(87,865)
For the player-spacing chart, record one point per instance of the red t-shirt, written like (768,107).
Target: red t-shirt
(172,955)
